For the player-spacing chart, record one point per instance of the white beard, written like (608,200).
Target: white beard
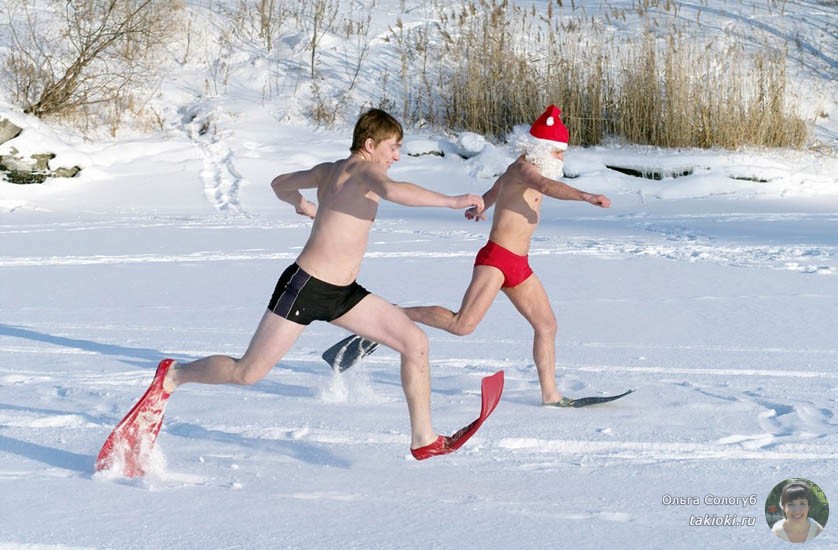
(548,165)
(540,154)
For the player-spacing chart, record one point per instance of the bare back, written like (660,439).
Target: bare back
(345,214)
(517,208)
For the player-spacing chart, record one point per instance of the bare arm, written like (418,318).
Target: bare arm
(560,190)
(489,198)
(563,191)
(409,194)
(287,188)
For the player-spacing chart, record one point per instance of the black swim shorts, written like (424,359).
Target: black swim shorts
(301,298)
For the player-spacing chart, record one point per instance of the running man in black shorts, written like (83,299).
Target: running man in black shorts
(321,284)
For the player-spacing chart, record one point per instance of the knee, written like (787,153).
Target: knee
(548,326)
(248,373)
(416,343)
(463,327)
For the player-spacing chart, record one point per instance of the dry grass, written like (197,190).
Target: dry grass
(504,64)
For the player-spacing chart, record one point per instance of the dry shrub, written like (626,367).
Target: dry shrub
(504,64)
(683,95)
(86,60)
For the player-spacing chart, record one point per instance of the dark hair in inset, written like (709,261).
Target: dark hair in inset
(796,490)
(375,124)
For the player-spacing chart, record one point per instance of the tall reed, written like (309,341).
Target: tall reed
(501,64)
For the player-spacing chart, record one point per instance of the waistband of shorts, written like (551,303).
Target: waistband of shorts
(321,283)
(492,244)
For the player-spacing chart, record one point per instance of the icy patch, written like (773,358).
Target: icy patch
(652,173)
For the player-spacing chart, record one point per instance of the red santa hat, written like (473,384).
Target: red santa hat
(549,127)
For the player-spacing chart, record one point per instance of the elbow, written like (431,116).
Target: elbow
(280,189)
(276,184)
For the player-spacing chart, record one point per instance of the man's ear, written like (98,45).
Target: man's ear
(369,145)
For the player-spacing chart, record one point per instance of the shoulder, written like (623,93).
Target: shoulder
(316,173)
(326,166)
(777,528)
(521,171)
(349,170)
(357,166)
(520,164)
(814,526)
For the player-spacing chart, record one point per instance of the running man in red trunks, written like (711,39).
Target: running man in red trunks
(502,264)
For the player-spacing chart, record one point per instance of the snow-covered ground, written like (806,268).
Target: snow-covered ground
(714,294)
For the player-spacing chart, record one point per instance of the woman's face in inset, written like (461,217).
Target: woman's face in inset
(796,510)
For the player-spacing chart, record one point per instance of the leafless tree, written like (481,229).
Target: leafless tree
(83,53)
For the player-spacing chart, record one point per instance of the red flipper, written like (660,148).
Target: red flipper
(129,445)
(442,446)
(491,389)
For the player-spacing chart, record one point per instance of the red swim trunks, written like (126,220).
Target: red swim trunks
(516,269)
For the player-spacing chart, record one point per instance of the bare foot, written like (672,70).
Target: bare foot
(549,400)
(169,383)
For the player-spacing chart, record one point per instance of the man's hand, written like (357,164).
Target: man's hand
(599,200)
(306,208)
(474,214)
(469,200)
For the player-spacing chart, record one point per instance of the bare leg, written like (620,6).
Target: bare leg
(485,284)
(381,321)
(531,300)
(273,338)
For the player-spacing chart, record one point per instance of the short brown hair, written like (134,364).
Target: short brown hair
(375,124)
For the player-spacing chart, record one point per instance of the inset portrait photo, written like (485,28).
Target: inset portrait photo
(796,510)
